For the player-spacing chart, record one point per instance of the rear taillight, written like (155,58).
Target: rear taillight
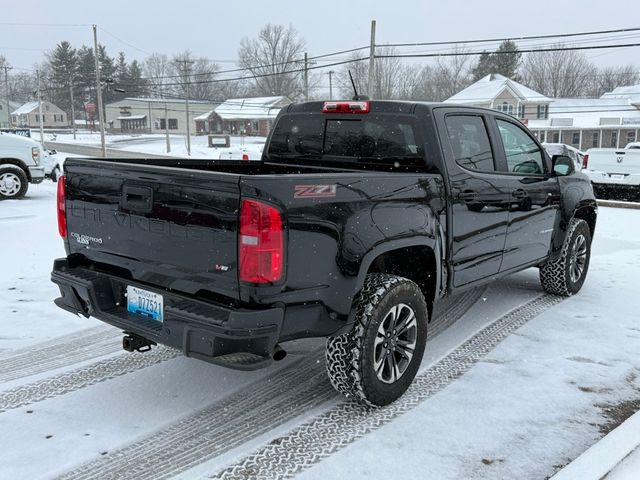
(261,243)
(346,107)
(62,211)
(245,156)
(585,161)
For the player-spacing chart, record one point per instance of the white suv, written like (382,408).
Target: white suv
(20,164)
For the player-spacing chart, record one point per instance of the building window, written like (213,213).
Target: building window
(37,117)
(575,138)
(46,107)
(173,124)
(614,139)
(556,137)
(506,108)
(521,111)
(541,136)
(542,111)
(631,137)
(594,140)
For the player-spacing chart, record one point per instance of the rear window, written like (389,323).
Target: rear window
(377,139)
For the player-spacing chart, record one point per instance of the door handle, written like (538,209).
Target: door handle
(468,196)
(519,194)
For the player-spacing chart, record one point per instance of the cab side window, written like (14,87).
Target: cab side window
(523,155)
(470,142)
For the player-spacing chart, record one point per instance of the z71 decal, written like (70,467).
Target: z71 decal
(315,191)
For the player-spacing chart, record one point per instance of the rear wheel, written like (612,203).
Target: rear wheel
(565,275)
(13,182)
(376,362)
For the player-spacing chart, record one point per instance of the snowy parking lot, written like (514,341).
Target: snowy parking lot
(515,383)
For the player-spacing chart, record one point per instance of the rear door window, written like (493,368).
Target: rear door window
(470,142)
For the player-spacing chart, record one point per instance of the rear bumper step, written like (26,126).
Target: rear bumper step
(235,338)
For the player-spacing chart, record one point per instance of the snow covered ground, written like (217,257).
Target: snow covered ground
(156,143)
(73,404)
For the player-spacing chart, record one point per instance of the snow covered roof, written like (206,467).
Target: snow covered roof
(589,113)
(25,109)
(162,100)
(205,116)
(631,92)
(251,108)
(489,87)
(132,117)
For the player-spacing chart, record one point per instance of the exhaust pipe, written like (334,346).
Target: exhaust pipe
(279,353)
(136,343)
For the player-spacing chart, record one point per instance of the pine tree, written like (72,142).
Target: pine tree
(505,61)
(135,81)
(62,66)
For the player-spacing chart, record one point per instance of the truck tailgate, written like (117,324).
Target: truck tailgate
(613,161)
(166,226)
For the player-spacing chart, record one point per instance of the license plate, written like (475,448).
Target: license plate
(145,303)
(613,176)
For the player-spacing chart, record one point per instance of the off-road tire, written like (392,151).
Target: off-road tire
(350,357)
(555,275)
(22,178)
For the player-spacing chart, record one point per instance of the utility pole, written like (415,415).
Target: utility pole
(40,110)
(331,72)
(306,77)
(99,91)
(6,88)
(187,69)
(166,127)
(372,56)
(73,111)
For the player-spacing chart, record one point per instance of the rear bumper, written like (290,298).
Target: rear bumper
(603,179)
(236,338)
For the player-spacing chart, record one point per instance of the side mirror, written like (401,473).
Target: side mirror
(563,165)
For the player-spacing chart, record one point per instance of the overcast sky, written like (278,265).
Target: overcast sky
(214,29)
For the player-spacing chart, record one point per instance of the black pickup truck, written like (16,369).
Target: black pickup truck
(360,216)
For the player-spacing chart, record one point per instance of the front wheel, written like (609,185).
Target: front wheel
(55,174)
(565,275)
(376,362)
(13,182)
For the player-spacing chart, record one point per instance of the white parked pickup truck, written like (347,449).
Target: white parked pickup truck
(612,169)
(20,164)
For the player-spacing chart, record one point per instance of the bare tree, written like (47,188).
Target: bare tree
(156,69)
(608,78)
(199,73)
(387,75)
(452,74)
(558,74)
(276,51)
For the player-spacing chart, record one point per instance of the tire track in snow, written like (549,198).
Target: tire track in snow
(342,425)
(60,352)
(82,377)
(252,411)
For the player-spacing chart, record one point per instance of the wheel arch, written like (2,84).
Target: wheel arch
(18,163)
(419,262)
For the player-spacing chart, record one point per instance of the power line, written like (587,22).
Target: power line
(529,37)
(509,52)
(14,24)
(123,42)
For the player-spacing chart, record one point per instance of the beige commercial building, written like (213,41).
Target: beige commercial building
(28,116)
(154,115)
